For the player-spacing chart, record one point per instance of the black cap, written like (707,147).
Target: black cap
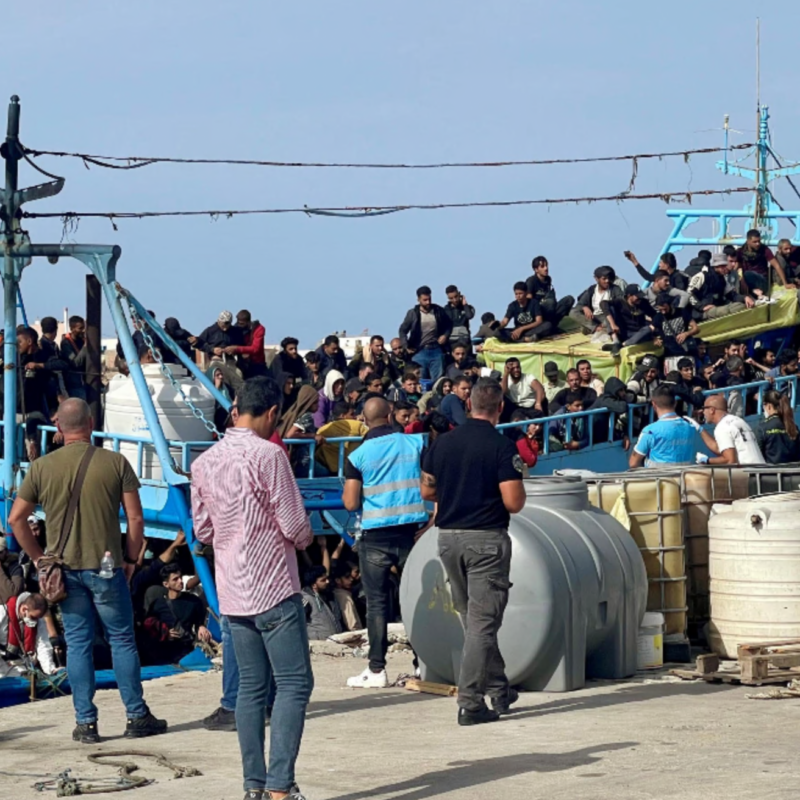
(633,288)
(551,368)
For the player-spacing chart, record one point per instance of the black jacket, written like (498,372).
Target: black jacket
(774,441)
(460,317)
(628,318)
(410,331)
(327,363)
(610,400)
(585,298)
(213,336)
(713,290)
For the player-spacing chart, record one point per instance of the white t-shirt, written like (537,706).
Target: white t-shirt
(521,392)
(598,297)
(733,431)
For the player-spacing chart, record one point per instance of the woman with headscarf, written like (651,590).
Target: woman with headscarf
(180,337)
(216,375)
(328,395)
(289,388)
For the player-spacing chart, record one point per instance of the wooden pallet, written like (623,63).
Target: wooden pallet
(757,664)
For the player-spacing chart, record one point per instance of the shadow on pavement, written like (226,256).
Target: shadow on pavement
(472,774)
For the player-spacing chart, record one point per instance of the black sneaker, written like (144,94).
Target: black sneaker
(504,706)
(616,348)
(86,733)
(256,794)
(477,717)
(147,725)
(220,720)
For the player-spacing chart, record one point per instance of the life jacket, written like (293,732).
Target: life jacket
(391,471)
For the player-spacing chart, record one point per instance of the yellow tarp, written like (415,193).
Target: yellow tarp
(569,348)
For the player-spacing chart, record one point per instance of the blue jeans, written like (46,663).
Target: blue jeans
(272,645)
(87,592)
(431,360)
(230,668)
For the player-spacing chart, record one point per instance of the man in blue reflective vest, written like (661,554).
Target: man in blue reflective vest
(382,477)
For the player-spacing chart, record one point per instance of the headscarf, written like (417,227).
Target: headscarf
(282,378)
(224,390)
(330,379)
(306,398)
(174,329)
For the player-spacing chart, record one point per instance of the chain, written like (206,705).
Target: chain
(167,372)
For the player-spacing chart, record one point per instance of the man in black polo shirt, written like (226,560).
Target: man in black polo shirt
(475,475)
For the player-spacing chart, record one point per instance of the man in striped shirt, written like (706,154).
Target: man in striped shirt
(245,502)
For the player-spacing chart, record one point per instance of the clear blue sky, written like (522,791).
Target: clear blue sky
(366,81)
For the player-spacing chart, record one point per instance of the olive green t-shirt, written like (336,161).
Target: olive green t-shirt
(96,527)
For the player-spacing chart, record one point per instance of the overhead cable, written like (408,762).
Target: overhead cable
(360,212)
(135,162)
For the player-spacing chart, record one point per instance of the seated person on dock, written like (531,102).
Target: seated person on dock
(520,390)
(148,572)
(174,621)
(667,263)
(323,615)
(630,318)
(529,324)
(586,393)
(589,311)
(343,594)
(712,296)
(540,288)
(576,429)
(23,632)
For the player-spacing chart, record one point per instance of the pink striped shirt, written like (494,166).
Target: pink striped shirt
(245,502)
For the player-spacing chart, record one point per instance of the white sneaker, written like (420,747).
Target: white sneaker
(369,680)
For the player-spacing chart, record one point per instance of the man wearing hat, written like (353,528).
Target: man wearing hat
(552,383)
(630,319)
(215,338)
(712,296)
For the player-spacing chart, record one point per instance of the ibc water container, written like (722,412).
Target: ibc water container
(578,595)
(124,414)
(754,561)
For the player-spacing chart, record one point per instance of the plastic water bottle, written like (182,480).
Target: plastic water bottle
(357,529)
(107,566)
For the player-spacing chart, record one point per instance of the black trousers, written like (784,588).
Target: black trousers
(478,564)
(378,552)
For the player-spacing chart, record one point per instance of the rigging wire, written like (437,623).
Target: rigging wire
(135,162)
(73,217)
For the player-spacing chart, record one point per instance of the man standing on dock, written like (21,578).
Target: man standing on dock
(80,487)
(245,501)
(475,475)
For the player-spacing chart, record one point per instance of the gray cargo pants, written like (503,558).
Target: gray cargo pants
(478,564)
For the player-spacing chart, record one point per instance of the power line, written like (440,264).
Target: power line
(72,218)
(136,162)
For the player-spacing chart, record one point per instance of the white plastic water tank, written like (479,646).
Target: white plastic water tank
(754,562)
(124,414)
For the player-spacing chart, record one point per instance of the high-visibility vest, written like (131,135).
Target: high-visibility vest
(390,467)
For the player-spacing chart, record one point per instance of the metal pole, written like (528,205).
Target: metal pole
(94,309)
(10,153)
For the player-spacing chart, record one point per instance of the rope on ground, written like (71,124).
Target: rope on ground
(67,785)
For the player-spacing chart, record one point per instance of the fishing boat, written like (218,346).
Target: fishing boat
(165,493)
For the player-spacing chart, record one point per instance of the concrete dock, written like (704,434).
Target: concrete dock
(651,737)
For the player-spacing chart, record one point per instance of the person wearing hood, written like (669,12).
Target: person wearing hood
(430,401)
(23,631)
(181,337)
(615,398)
(216,374)
(251,357)
(332,392)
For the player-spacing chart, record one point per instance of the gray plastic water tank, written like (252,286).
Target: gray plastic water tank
(578,596)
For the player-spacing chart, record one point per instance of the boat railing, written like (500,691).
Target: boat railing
(636,416)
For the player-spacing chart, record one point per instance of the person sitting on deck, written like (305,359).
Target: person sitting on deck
(712,296)
(454,405)
(676,327)
(667,263)
(540,288)
(630,319)
(323,615)
(331,393)
(588,378)
(659,283)
(520,390)
(287,359)
(407,392)
(591,309)
(343,594)
(756,259)
(578,427)
(586,393)
(401,415)
(459,361)
(529,324)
